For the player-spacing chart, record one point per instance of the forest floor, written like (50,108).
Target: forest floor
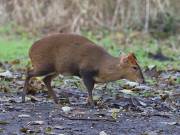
(122,107)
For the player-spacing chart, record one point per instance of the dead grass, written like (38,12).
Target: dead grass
(75,15)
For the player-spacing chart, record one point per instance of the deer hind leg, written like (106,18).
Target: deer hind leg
(47,81)
(30,74)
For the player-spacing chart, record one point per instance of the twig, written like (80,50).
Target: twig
(88,119)
(99,22)
(146,25)
(156,114)
(151,114)
(116,11)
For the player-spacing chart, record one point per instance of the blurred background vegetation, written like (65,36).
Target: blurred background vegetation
(146,27)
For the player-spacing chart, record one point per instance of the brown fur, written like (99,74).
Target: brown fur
(71,54)
(132,58)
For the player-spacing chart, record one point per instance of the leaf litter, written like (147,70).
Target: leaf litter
(121,107)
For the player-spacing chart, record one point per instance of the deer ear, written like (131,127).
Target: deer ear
(132,58)
(123,59)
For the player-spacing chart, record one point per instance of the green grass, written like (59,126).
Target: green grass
(12,48)
(141,47)
(16,47)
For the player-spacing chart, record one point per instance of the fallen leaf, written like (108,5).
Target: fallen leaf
(59,127)
(48,130)
(150,133)
(34,99)
(114,113)
(3,122)
(126,91)
(103,133)
(23,116)
(142,87)
(170,123)
(7,74)
(14,62)
(24,130)
(66,109)
(37,122)
(1,130)
(129,84)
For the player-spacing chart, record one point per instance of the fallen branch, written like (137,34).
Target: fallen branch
(157,114)
(89,119)
(152,114)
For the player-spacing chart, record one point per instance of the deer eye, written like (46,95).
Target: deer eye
(135,68)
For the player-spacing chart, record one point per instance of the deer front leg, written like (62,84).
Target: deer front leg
(88,80)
